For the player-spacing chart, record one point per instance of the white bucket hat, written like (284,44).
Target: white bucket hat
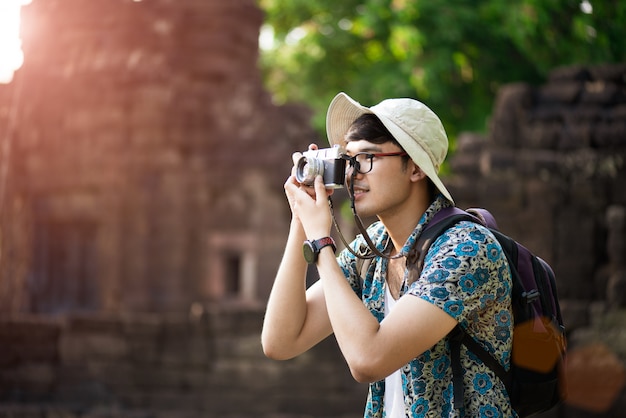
(416,128)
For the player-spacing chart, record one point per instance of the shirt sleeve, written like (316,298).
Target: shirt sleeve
(349,265)
(358,272)
(464,272)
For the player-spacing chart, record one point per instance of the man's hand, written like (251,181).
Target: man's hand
(309,204)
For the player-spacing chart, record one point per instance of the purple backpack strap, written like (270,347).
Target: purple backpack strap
(481,216)
(486,218)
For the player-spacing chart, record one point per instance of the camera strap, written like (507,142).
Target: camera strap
(343,240)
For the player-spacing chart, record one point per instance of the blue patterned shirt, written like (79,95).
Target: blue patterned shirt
(466,274)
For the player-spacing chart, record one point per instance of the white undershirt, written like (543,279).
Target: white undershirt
(394,395)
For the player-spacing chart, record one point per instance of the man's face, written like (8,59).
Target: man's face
(385,187)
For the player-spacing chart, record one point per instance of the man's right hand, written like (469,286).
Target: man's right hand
(310,190)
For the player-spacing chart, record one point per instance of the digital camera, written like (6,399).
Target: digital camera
(328,163)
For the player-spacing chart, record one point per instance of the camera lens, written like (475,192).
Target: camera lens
(309,168)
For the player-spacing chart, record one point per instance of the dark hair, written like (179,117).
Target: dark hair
(368,127)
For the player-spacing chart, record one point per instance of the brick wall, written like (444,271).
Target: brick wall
(140,135)
(162,366)
(552,169)
(552,164)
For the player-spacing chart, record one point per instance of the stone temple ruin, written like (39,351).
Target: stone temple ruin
(142,216)
(552,170)
(144,157)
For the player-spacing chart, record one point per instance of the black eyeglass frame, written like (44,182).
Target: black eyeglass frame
(370,156)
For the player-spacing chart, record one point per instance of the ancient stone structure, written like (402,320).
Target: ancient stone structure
(143,161)
(552,169)
(552,164)
(164,366)
(616,251)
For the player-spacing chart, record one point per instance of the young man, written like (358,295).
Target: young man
(392,328)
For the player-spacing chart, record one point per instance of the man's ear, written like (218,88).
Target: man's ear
(416,172)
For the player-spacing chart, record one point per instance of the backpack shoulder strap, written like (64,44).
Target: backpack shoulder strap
(485,217)
(477,349)
(458,337)
(441,222)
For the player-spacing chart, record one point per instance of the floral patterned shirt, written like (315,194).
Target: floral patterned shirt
(466,274)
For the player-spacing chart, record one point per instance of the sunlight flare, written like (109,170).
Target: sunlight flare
(11,55)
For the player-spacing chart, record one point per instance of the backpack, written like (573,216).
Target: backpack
(535,381)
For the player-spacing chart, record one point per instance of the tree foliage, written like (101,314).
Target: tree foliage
(451,54)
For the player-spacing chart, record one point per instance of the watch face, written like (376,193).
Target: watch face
(309,252)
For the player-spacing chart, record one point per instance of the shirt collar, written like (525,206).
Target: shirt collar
(439,203)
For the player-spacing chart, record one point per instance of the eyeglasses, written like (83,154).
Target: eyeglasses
(363,162)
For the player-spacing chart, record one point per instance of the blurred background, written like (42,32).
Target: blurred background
(143,149)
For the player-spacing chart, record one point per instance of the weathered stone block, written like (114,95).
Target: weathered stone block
(539,164)
(613,72)
(563,92)
(574,236)
(510,114)
(84,347)
(33,379)
(498,161)
(569,73)
(601,92)
(575,313)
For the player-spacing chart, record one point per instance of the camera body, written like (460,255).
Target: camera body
(327,162)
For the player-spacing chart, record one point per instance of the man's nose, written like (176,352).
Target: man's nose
(352,172)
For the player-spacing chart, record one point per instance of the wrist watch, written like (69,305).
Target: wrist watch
(312,248)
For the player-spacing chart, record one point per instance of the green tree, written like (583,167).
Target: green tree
(451,54)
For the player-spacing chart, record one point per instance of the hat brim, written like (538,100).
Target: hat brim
(343,111)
